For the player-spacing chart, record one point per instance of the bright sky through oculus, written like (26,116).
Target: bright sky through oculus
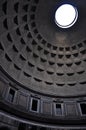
(66,15)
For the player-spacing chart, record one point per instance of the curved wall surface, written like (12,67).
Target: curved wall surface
(42,67)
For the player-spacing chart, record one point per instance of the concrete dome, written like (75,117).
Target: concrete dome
(38,57)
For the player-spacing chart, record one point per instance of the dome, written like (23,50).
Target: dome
(43,63)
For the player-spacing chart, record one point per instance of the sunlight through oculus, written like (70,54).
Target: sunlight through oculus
(66,16)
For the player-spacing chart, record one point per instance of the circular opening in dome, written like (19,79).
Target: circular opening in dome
(66,16)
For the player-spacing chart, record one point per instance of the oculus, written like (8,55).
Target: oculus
(66,15)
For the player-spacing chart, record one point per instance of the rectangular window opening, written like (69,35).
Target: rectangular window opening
(58,109)
(11,95)
(34,104)
(83,108)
